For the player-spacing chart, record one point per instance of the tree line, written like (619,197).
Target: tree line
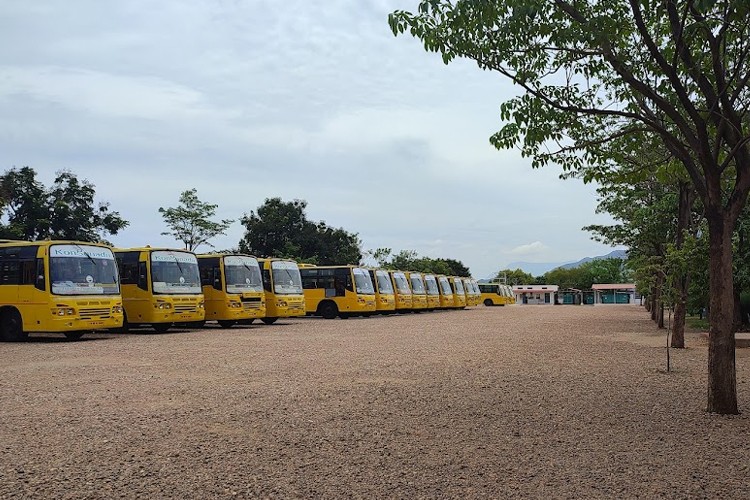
(581,277)
(67,210)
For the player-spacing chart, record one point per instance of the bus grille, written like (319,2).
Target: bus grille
(251,305)
(95,312)
(181,308)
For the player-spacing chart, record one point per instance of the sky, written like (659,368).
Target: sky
(302,99)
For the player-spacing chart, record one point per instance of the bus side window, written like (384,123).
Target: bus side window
(217,278)
(267,279)
(142,276)
(39,281)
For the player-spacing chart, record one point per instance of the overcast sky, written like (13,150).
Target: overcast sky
(300,99)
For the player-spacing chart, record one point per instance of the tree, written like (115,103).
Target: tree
(592,72)
(409,260)
(190,222)
(281,229)
(66,210)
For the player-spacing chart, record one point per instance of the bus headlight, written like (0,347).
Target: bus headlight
(117,309)
(234,305)
(201,304)
(63,311)
(280,303)
(163,305)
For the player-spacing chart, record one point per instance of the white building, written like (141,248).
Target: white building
(535,294)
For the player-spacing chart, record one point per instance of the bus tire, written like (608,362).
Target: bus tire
(161,327)
(74,335)
(488,302)
(11,326)
(328,310)
(227,323)
(269,321)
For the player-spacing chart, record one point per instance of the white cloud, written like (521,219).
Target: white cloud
(529,249)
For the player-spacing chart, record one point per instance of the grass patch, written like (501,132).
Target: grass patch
(696,323)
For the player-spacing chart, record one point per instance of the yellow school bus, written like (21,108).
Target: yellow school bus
(446,293)
(493,294)
(459,298)
(472,299)
(342,291)
(401,290)
(160,287)
(66,287)
(433,292)
(418,291)
(385,300)
(283,288)
(232,288)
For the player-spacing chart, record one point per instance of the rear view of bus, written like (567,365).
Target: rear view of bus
(160,287)
(385,300)
(57,287)
(283,288)
(433,291)
(402,291)
(232,287)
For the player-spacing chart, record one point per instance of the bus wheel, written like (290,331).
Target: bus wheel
(227,323)
(11,326)
(488,302)
(328,310)
(269,321)
(161,327)
(74,335)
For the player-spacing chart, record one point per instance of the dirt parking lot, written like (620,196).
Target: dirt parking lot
(521,401)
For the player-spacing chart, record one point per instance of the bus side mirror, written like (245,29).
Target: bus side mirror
(217,283)
(40,282)
(142,283)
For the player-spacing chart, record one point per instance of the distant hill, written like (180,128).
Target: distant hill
(614,254)
(539,268)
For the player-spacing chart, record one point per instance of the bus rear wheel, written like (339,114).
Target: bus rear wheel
(269,321)
(328,310)
(74,335)
(488,302)
(11,326)
(227,323)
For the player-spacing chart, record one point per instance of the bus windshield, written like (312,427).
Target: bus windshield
(401,284)
(362,281)
(384,282)
(242,274)
(83,270)
(175,272)
(286,277)
(417,285)
(431,285)
(445,285)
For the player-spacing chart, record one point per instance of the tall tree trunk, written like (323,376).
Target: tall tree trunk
(660,316)
(683,224)
(655,301)
(722,378)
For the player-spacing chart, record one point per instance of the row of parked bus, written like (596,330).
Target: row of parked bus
(74,287)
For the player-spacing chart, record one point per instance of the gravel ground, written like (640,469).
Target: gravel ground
(520,401)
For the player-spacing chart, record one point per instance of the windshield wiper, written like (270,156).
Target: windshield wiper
(84,252)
